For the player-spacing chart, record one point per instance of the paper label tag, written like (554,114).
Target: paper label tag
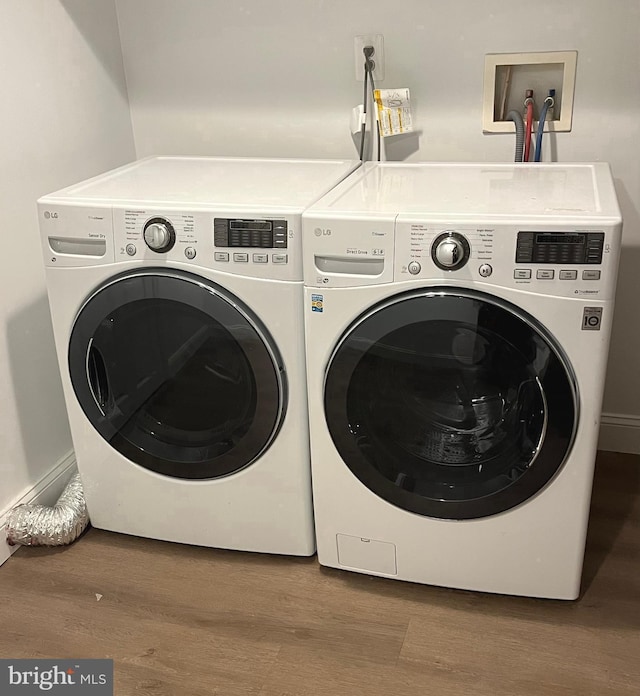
(394,111)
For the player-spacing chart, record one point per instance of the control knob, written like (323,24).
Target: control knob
(159,235)
(450,251)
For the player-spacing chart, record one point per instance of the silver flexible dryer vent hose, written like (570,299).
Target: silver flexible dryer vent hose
(39,525)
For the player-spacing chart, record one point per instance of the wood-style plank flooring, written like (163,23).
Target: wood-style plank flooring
(184,620)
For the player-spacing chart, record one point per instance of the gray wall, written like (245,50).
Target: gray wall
(65,117)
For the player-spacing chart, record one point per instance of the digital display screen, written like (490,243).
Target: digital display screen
(559,247)
(250,234)
(262,225)
(550,238)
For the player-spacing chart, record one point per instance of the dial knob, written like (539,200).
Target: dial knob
(450,251)
(159,235)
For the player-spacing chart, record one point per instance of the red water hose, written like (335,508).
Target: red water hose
(528,129)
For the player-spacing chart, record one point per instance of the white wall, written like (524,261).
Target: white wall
(276,77)
(64,117)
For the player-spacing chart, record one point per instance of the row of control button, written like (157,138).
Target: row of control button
(241,257)
(548,274)
(131,250)
(485,269)
(190,253)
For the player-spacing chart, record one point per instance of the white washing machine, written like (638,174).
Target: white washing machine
(457,322)
(175,287)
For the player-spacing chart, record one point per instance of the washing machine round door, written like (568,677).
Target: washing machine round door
(450,403)
(177,374)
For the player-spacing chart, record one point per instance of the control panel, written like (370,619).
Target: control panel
(443,250)
(263,234)
(347,252)
(261,246)
(571,262)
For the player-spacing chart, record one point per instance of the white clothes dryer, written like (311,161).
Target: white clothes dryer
(175,287)
(457,324)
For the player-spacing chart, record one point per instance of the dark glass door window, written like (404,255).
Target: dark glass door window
(176,375)
(450,404)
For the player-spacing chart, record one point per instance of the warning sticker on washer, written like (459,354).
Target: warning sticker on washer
(317,303)
(591,318)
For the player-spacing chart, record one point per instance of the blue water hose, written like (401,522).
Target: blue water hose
(548,102)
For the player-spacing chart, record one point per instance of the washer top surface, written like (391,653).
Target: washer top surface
(282,184)
(513,190)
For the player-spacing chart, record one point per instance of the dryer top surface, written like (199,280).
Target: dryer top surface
(193,182)
(447,189)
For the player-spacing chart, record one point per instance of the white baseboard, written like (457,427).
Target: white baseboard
(45,492)
(619,433)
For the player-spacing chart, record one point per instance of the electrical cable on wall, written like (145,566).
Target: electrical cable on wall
(391,109)
(548,103)
(369,67)
(363,129)
(528,131)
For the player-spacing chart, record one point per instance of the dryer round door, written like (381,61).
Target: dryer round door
(177,374)
(450,403)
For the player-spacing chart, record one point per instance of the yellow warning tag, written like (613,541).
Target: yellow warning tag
(394,111)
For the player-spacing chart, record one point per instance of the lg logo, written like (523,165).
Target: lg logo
(320,232)
(48,215)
